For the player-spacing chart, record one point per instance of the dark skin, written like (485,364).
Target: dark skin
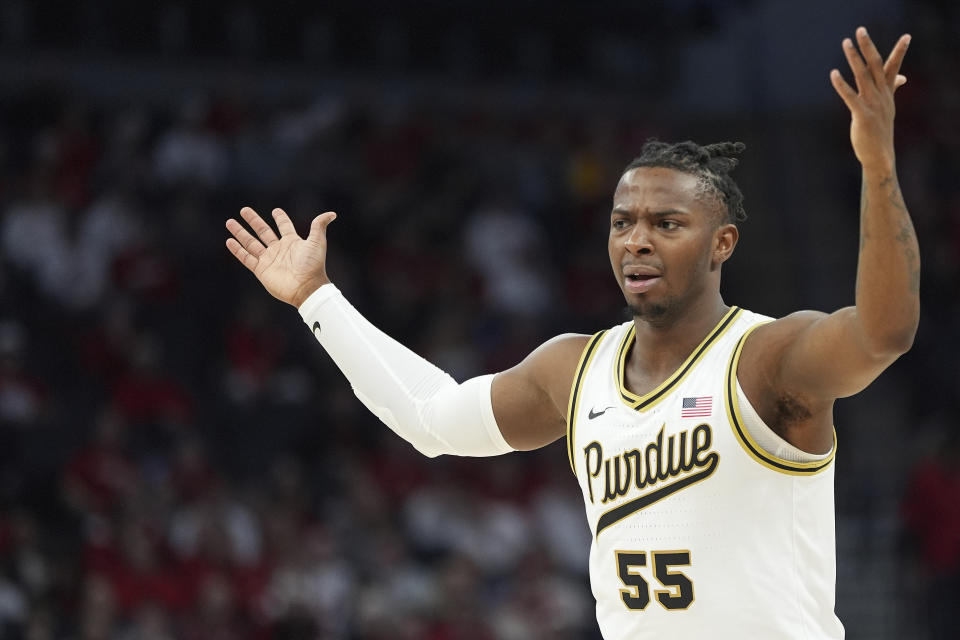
(661,226)
(792,369)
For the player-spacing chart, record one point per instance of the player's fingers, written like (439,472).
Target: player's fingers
(891,68)
(283,223)
(318,228)
(859,68)
(259,226)
(899,81)
(247,241)
(846,92)
(241,254)
(872,57)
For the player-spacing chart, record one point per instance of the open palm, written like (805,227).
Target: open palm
(289,267)
(871,104)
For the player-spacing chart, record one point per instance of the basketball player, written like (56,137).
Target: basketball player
(701,433)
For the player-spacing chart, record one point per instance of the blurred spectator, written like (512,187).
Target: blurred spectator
(97,617)
(218,525)
(192,475)
(148,394)
(506,246)
(460,613)
(77,153)
(69,252)
(398,593)
(932,517)
(106,348)
(23,396)
(26,557)
(254,346)
(146,271)
(558,515)
(150,622)
(542,603)
(189,153)
(101,475)
(215,615)
(138,574)
(314,580)
(13,607)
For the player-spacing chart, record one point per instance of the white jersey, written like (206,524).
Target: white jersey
(697,530)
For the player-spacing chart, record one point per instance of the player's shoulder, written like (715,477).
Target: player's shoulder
(770,338)
(563,347)
(568,346)
(556,359)
(771,329)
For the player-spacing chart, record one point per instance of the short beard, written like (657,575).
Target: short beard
(653,313)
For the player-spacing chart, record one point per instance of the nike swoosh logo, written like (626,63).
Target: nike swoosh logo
(596,414)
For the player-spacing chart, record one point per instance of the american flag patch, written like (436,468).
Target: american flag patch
(697,407)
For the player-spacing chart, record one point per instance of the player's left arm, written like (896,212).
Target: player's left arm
(818,357)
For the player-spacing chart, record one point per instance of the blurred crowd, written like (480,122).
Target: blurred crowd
(178,458)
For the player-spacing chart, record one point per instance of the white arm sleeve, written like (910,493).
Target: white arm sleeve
(421,403)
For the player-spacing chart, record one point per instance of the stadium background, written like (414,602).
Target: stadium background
(178,458)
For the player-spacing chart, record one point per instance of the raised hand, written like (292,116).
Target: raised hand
(871,105)
(289,267)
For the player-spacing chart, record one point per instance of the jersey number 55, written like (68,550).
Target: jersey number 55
(677,595)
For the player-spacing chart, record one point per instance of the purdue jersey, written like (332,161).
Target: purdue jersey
(697,530)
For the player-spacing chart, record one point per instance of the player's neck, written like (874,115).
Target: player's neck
(663,345)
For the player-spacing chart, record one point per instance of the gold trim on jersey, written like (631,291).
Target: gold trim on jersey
(642,403)
(586,357)
(743,436)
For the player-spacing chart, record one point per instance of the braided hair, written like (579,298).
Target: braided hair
(711,164)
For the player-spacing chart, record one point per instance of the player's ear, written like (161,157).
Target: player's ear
(724,242)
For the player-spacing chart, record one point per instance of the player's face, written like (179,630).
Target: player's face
(666,241)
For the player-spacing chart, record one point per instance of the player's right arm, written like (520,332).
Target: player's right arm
(530,399)
(521,408)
